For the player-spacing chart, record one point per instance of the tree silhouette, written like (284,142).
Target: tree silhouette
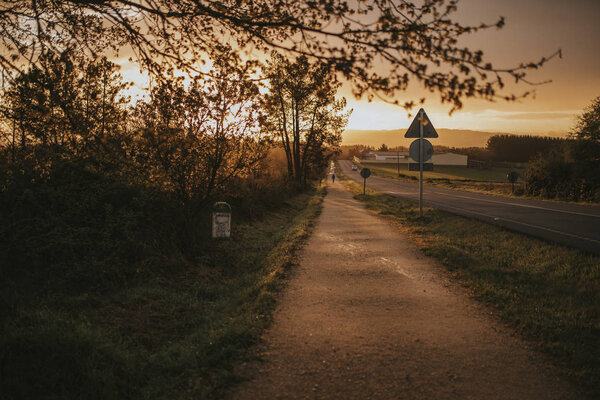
(571,171)
(65,101)
(194,140)
(303,113)
(588,123)
(378,46)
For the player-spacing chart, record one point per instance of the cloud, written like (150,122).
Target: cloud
(545,115)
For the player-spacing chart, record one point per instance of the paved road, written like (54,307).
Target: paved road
(367,316)
(570,224)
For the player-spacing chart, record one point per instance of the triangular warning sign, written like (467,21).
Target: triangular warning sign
(414,130)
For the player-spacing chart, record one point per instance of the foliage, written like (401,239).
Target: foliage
(383,147)
(103,296)
(588,123)
(571,172)
(520,148)
(561,174)
(196,140)
(110,285)
(349,152)
(408,40)
(303,114)
(66,102)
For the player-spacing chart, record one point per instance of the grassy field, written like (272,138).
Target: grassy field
(547,292)
(489,180)
(173,333)
(494,174)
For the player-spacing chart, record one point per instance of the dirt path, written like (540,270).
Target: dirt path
(367,316)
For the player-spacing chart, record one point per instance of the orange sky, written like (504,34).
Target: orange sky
(534,28)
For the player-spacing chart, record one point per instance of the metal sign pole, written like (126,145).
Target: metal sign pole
(364,186)
(421,166)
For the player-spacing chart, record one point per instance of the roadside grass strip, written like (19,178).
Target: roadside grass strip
(176,335)
(492,181)
(549,293)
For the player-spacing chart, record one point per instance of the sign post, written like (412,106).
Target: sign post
(421,128)
(421,111)
(365,173)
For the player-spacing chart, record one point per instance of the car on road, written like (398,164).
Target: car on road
(354,167)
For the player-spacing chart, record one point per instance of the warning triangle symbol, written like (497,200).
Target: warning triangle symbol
(414,130)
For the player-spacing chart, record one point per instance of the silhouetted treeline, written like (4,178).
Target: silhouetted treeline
(571,171)
(520,148)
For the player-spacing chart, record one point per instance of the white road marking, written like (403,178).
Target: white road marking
(519,205)
(496,219)
(552,230)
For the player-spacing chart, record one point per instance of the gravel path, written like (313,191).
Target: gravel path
(367,316)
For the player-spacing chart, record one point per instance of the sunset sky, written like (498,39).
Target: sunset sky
(534,28)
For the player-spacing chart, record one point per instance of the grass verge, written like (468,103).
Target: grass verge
(170,335)
(549,293)
(492,181)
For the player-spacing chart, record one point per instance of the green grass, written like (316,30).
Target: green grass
(174,331)
(548,292)
(494,174)
(490,180)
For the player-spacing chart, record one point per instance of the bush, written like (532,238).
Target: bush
(569,173)
(79,230)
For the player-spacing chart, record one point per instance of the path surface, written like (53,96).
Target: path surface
(367,316)
(571,224)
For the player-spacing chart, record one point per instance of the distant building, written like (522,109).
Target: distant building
(372,155)
(402,157)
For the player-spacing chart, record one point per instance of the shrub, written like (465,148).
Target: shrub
(568,173)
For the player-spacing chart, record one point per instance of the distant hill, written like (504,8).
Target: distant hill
(395,137)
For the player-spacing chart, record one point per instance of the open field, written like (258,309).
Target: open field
(495,174)
(492,180)
(547,292)
(175,331)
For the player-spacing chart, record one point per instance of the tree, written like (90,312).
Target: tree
(303,113)
(571,171)
(383,147)
(587,126)
(65,101)
(521,148)
(196,140)
(405,40)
